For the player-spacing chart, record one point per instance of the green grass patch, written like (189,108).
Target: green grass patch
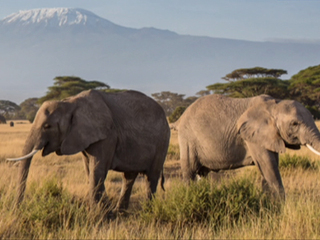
(204,202)
(294,162)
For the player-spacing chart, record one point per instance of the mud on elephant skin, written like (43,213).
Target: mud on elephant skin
(126,132)
(220,133)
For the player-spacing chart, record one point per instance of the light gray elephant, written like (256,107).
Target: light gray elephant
(220,133)
(126,132)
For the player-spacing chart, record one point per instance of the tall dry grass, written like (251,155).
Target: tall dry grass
(55,205)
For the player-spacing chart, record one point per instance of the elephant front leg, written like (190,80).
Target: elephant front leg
(268,164)
(100,157)
(97,177)
(127,184)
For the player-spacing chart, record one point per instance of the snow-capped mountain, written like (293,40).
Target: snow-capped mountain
(52,16)
(38,45)
(26,21)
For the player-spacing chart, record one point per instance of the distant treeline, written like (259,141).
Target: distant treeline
(246,82)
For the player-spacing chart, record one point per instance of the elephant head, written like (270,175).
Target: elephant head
(65,127)
(271,126)
(275,125)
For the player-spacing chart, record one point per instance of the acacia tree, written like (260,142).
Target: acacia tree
(249,82)
(252,87)
(66,86)
(256,72)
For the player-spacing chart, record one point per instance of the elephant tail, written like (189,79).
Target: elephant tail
(162,181)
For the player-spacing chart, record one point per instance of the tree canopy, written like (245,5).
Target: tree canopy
(29,108)
(8,109)
(176,114)
(252,87)
(170,101)
(66,86)
(249,82)
(305,86)
(256,72)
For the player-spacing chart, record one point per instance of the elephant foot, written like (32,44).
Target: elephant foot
(120,212)
(110,216)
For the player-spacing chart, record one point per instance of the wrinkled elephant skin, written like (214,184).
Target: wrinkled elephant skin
(220,133)
(126,132)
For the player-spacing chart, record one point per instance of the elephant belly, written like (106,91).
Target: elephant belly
(137,158)
(226,164)
(224,157)
(127,164)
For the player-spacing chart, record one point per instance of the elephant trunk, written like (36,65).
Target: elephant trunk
(312,140)
(22,179)
(24,166)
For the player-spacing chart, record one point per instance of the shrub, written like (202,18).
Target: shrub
(176,114)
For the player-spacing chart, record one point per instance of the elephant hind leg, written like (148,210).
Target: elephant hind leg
(188,161)
(127,184)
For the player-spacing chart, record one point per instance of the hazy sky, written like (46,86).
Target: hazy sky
(257,20)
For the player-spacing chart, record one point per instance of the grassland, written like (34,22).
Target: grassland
(227,205)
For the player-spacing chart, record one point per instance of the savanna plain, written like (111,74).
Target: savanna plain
(228,204)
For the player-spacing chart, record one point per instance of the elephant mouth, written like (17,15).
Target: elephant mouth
(58,152)
(292,146)
(48,148)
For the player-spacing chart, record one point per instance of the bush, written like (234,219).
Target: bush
(294,162)
(176,114)
(49,209)
(207,203)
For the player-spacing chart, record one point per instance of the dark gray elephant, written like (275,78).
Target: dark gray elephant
(219,133)
(126,132)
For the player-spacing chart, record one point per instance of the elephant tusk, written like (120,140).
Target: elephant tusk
(312,149)
(23,157)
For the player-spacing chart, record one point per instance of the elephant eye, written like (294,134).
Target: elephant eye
(46,126)
(294,123)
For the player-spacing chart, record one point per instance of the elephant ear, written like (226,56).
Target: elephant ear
(256,125)
(90,122)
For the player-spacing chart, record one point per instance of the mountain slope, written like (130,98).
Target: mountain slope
(37,45)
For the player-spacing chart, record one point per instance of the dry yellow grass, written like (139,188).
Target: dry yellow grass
(300,217)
